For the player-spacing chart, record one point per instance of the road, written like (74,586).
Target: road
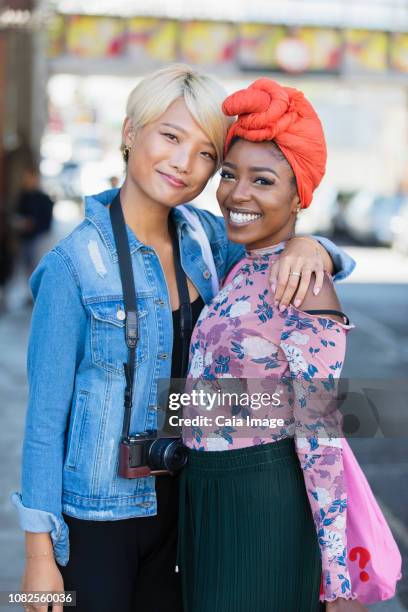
(378,348)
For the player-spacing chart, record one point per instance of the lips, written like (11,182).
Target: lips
(172,180)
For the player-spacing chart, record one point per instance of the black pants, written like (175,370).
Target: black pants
(127,565)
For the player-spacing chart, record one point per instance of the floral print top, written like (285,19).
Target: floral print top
(241,335)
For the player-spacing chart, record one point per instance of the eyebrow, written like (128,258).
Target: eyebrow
(253,168)
(181,129)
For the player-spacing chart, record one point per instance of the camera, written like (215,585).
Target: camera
(144,454)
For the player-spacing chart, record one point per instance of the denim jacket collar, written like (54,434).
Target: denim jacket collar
(97,212)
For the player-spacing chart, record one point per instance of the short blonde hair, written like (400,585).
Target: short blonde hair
(202,95)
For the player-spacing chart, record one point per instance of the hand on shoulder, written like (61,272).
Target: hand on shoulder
(326,300)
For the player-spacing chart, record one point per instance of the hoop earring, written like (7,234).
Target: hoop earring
(125,150)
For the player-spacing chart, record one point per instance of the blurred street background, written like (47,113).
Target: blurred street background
(66,68)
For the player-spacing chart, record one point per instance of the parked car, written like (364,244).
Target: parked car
(367,217)
(384,211)
(399,229)
(319,217)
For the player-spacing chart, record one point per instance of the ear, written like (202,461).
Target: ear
(128,132)
(295,204)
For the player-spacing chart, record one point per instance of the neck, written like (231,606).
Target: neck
(147,218)
(280,236)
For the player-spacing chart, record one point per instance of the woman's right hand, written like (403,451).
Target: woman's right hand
(42,574)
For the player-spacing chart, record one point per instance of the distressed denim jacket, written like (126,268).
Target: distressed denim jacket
(75,367)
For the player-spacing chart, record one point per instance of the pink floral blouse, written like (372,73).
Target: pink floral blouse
(241,335)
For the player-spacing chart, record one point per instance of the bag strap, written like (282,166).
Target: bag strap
(204,243)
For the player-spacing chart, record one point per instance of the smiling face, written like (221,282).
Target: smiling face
(171,159)
(257,194)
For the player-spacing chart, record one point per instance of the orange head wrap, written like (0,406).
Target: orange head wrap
(268,111)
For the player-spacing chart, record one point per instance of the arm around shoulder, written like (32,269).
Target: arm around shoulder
(341,265)
(326,300)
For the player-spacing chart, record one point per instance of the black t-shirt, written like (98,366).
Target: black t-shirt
(196,308)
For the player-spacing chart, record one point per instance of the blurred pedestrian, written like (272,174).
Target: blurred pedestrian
(114,182)
(110,536)
(6,260)
(32,219)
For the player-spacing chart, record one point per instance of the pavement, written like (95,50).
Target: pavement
(378,348)
(378,351)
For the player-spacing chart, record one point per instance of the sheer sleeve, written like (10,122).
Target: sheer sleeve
(315,348)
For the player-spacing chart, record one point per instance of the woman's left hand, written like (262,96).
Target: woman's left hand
(292,272)
(345,605)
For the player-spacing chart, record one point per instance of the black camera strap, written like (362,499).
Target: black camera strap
(186,319)
(129,298)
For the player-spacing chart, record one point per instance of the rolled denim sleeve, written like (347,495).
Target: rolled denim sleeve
(343,263)
(55,349)
(39,521)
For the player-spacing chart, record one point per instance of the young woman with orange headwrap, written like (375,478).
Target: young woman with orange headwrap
(251,508)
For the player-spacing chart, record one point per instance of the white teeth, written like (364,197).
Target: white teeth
(237,217)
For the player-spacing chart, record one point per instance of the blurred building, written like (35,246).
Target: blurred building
(349,56)
(20,95)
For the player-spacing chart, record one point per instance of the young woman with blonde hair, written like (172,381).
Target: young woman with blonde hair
(88,529)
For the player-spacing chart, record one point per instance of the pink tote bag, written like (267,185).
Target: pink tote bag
(373,558)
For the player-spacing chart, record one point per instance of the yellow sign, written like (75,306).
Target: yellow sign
(95,37)
(324,46)
(152,42)
(257,45)
(207,43)
(399,52)
(150,39)
(271,47)
(365,51)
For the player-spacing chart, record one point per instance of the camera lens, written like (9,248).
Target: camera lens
(167,454)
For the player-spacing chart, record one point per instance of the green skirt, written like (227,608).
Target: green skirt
(247,540)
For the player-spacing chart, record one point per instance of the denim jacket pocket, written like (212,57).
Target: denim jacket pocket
(76,430)
(108,342)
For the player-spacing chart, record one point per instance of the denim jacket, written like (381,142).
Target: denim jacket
(75,367)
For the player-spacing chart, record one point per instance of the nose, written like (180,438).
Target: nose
(241,192)
(182,160)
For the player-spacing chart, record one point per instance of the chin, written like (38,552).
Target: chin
(170,199)
(238,236)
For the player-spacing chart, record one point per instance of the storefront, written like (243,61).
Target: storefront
(355,72)
(16,60)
